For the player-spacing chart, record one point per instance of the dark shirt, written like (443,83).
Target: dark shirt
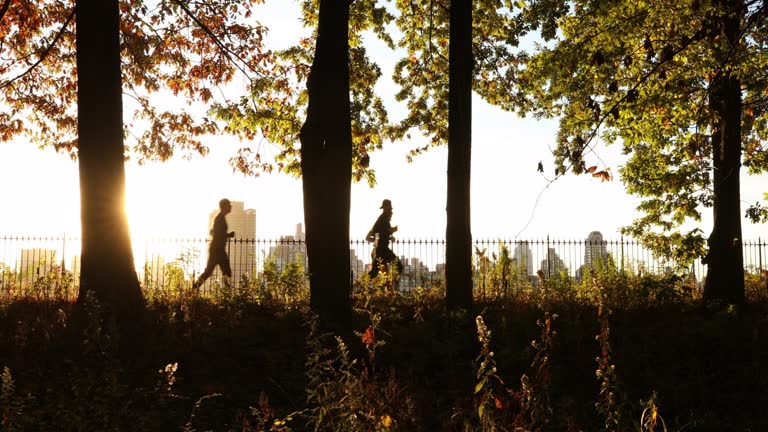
(383,228)
(219,232)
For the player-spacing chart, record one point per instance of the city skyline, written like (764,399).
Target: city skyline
(30,259)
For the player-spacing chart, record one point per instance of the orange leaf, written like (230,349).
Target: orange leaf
(499,405)
(368,337)
(592,169)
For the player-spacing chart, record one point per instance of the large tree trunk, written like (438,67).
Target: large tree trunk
(725,259)
(326,164)
(107,258)
(458,260)
(725,273)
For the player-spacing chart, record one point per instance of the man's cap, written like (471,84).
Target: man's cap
(386,204)
(224,202)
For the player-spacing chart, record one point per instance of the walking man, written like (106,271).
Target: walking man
(217,252)
(381,235)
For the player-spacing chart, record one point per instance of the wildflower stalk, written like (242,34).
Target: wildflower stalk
(650,418)
(10,408)
(534,396)
(485,399)
(607,404)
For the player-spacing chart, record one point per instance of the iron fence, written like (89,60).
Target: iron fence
(29,262)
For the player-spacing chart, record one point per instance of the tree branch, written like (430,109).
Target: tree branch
(4,9)
(45,53)
(227,52)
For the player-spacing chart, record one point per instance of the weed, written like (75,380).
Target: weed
(499,408)
(609,399)
(189,426)
(342,395)
(650,418)
(489,386)
(11,405)
(756,286)
(237,350)
(534,395)
(264,419)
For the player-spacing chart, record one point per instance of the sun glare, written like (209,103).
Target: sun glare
(157,209)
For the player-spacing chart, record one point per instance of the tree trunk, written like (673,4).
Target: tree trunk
(725,259)
(458,259)
(107,258)
(326,164)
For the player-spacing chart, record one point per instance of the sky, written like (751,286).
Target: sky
(510,199)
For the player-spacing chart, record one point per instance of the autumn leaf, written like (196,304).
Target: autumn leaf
(368,338)
(604,175)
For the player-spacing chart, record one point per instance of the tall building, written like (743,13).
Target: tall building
(356,265)
(300,235)
(594,249)
(552,264)
(414,273)
(290,248)
(523,258)
(242,248)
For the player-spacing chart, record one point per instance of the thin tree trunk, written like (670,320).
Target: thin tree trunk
(458,260)
(326,164)
(107,259)
(725,273)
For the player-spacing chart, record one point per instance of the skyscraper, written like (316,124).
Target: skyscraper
(356,265)
(523,257)
(290,249)
(552,264)
(594,249)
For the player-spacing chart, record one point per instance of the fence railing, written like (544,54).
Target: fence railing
(26,262)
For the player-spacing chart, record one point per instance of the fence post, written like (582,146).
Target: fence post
(760,253)
(622,254)
(63,254)
(145,268)
(549,264)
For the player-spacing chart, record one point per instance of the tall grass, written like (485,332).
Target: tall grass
(614,351)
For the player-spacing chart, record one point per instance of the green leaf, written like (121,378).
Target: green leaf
(601,76)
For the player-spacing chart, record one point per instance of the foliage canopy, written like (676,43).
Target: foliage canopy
(643,74)
(169,48)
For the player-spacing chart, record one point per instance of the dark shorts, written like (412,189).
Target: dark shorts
(220,258)
(384,256)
